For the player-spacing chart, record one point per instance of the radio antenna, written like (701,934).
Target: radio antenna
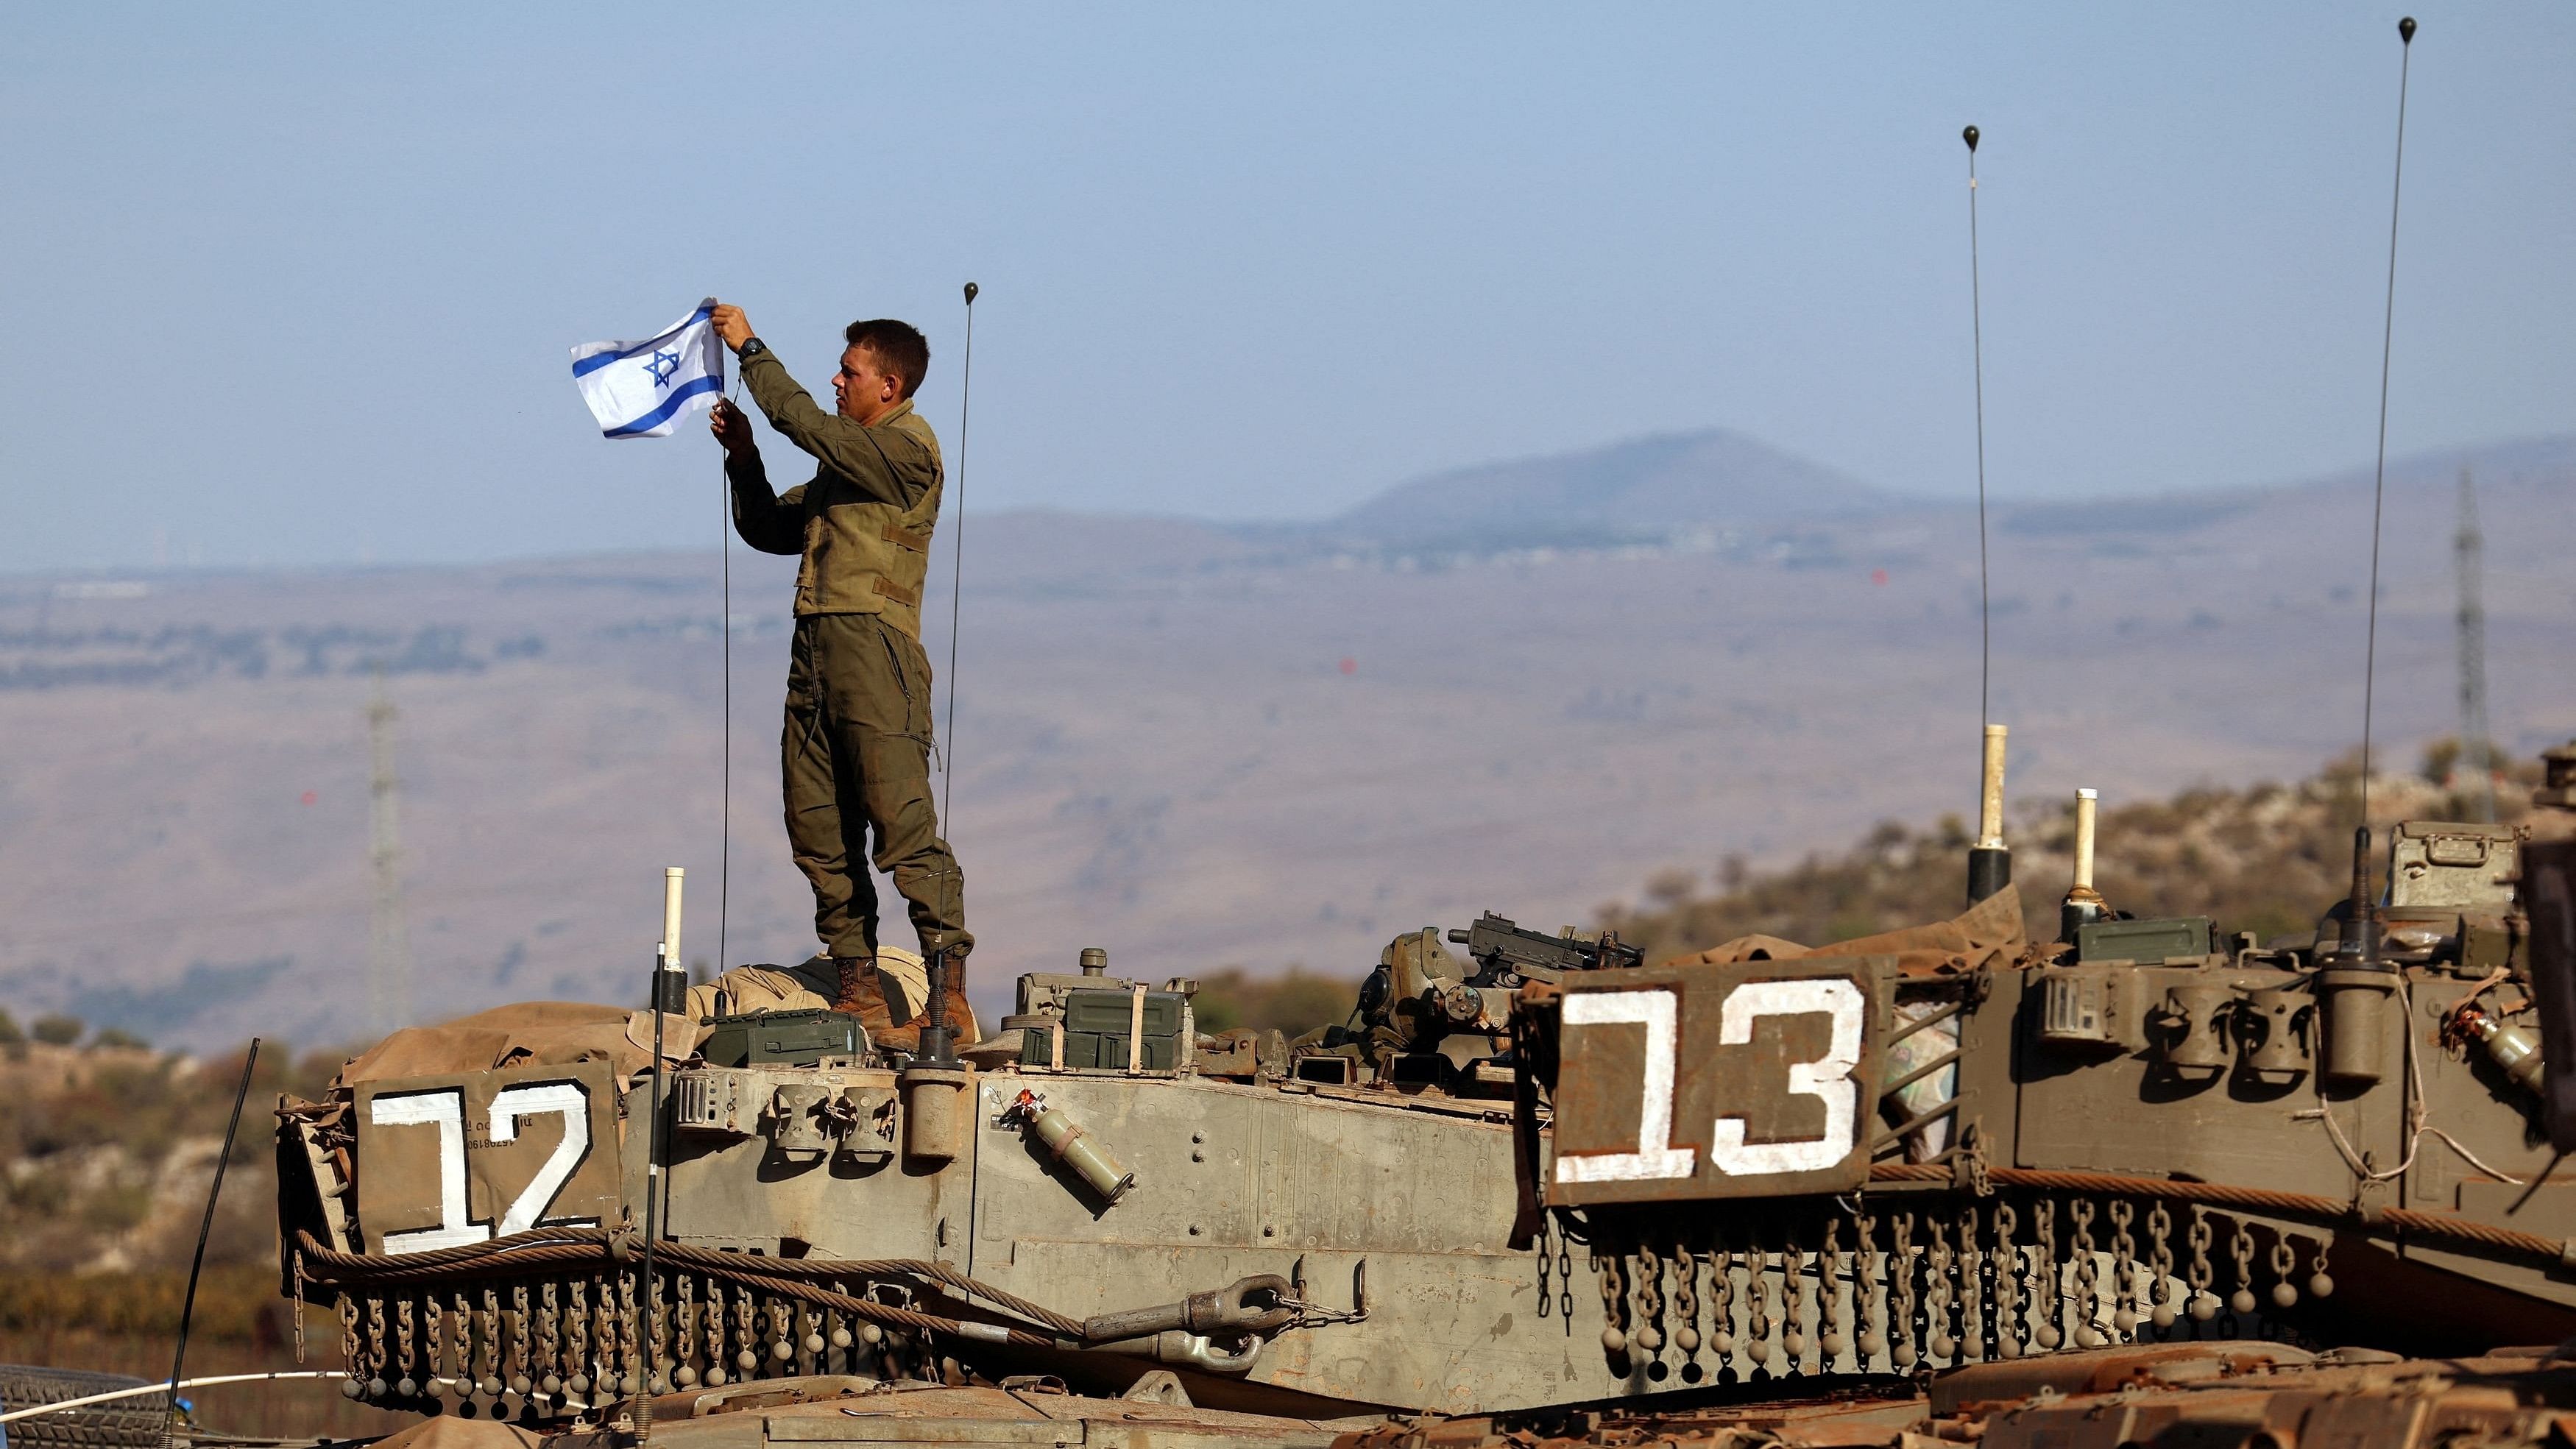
(2379,474)
(1977,342)
(1989,859)
(957,576)
(205,1229)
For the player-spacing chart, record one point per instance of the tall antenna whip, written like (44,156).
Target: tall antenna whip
(1977,334)
(205,1229)
(1989,859)
(388,937)
(2379,477)
(2475,769)
(957,578)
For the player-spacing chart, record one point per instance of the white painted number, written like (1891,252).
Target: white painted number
(1656,1156)
(535,1099)
(1828,1078)
(445,1110)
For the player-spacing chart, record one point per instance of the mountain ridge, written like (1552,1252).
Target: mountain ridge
(1657,486)
(1638,487)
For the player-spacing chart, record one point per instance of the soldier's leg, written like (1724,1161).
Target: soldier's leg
(894,775)
(826,835)
(884,697)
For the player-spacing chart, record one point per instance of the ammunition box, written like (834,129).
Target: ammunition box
(2459,866)
(1115,1011)
(1097,1025)
(796,1038)
(2150,941)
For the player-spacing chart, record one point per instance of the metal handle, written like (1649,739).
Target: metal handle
(1191,1350)
(1225,1310)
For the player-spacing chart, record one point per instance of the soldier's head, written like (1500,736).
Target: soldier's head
(881,367)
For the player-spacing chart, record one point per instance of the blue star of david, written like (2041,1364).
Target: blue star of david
(662,366)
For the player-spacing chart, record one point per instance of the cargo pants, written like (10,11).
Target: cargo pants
(855,756)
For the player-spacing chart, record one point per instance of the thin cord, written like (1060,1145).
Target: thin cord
(2379,478)
(724,624)
(957,578)
(1977,332)
(724,860)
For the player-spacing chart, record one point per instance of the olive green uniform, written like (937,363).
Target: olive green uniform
(856,749)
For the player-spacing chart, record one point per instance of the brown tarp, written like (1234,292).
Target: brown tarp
(530,1033)
(1989,933)
(556,1033)
(746,989)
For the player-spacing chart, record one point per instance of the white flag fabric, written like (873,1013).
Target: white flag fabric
(643,389)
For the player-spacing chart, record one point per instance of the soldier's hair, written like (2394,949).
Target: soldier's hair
(899,346)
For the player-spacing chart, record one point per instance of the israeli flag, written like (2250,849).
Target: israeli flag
(641,389)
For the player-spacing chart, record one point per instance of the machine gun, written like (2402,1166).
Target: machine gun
(1507,955)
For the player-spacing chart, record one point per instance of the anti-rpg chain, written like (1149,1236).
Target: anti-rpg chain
(538,1324)
(553,1249)
(1892,1282)
(2308,1207)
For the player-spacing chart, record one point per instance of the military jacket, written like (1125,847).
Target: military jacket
(863,523)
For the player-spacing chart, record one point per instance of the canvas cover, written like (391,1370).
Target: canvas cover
(1989,933)
(528,1033)
(559,1033)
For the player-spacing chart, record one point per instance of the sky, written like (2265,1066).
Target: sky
(296,285)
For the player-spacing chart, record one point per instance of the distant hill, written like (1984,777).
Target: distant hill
(2502,470)
(1645,489)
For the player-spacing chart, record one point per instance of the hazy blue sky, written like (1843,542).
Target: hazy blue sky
(296,284)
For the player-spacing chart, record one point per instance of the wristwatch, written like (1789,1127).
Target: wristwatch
(751,347)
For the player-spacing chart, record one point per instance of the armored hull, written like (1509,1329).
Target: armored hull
(1546,1177)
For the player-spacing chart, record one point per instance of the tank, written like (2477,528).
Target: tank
(1949,1146)
(1534,1175)
(1094,1193)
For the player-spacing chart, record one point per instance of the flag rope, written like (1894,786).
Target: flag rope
(724,625)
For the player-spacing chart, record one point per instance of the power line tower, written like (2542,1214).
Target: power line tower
(388,938)
(2468,548)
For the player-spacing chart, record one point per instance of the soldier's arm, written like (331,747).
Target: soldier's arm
(766,521)
(884,463)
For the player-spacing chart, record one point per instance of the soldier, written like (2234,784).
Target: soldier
(856,750)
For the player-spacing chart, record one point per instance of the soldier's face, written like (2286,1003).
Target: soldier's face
(863,388)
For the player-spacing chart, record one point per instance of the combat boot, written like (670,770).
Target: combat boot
(863,996)
(962,1030)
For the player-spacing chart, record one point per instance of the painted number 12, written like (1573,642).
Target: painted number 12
(444,1109)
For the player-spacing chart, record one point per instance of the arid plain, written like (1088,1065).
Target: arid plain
(1197,746)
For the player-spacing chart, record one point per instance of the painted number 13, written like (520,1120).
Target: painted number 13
(1827,1078)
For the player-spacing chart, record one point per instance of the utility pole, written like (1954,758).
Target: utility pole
(388,939)
(2468,548)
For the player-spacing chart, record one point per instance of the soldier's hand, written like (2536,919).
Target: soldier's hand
(732,428)
(731,326)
